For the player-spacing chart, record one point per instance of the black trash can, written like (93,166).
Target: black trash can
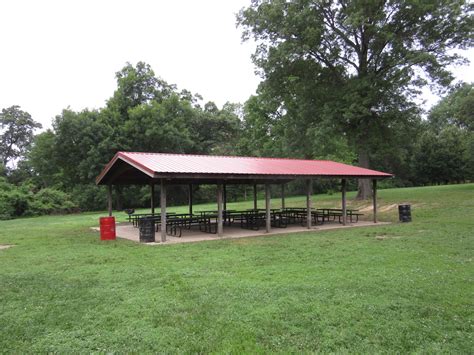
(404,213)
(147,230)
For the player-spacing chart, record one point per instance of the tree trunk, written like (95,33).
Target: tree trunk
(364,191)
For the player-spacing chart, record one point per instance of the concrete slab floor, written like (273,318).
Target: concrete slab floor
(127,231)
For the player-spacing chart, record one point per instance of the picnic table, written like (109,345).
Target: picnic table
(337,213)
(135,218)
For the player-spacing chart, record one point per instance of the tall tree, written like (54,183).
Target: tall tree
(442,157)
(17,129)
(457,108)
(456,113)
(43,158)
(368,59)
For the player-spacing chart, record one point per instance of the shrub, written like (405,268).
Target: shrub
(13,200)
(49,201)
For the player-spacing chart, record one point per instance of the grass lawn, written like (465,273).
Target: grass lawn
(393,288)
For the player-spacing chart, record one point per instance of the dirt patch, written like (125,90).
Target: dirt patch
(380,209)
(5,246)
(385,237)
(388,207)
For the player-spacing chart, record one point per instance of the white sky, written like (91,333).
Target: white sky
(57,54)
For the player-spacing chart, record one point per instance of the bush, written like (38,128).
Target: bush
(13,200)
(17,201)
(6,208)
(50,201)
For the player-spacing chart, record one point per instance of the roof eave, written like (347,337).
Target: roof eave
(130,161)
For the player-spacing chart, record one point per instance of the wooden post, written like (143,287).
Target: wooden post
(309,188)
(109,199)
(163,210)
(282,196)
(344,208)
(254,196)
(152,197)
(220,221)
(374,198)
(268,224)
(190,198)
(225,197)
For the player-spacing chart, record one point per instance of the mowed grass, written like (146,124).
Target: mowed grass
(392,288)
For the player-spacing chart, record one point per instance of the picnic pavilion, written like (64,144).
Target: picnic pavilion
(163,169)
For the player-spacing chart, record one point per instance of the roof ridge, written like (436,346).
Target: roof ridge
(226,156)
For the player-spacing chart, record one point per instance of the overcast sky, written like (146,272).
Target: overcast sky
(57,54)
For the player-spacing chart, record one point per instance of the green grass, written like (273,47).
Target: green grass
(392,288)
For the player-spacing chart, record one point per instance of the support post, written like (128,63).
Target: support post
(152,198)
(163,210)
(268,224)
(282,196)
(220,220)
(190,200)
(344,208)
(309,192)
(254,196)
(109,199)
(374,198)
(225,197)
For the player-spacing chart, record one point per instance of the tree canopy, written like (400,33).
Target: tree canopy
(353,66)
(17,128)
(145,113)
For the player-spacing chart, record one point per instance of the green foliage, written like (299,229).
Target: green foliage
(16,128)
(17,201)
(144,114)
(457,108)
(444,151)
(442,157)
(43,159)
(50,201)
(351,68)
(293,115)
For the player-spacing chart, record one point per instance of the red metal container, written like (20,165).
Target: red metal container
(107,228)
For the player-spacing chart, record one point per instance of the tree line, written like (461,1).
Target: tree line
(339,81)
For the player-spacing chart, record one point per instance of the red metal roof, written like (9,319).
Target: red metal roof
(154,164)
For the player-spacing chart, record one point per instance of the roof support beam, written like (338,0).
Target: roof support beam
(282,196)
(225,197)
(109,199)
(268,222)
(344,208)
(255,196)
(374,198)
(220,221)
(190,198)
(163,210)
(152,198)
(309,192)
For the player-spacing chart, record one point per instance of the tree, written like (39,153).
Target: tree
(457,108)
(137,85)
(442,157)
(17,129)
(216,131)
(143,114)
(360,63)
(44,161)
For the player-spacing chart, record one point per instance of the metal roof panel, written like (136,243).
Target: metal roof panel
(165,163)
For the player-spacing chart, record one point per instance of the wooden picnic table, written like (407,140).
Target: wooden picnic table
(134,218)
(337,212)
